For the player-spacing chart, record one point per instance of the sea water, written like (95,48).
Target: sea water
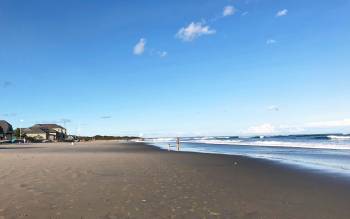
(327,153)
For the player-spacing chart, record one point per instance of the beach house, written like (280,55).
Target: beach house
(50,132)
(6,131)
(35,133)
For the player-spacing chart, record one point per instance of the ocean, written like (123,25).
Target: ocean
(328,153)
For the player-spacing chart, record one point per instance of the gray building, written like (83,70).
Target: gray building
(6,131)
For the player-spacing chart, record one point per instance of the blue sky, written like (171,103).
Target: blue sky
(166,68)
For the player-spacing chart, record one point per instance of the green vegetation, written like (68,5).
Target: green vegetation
(17,133)
(103,137)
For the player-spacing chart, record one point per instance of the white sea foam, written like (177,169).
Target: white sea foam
(345,145)
(339,137)
(281,144)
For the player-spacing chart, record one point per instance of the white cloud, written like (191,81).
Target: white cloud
(268,129)
(193,31)
(228,11)
(245,13)
(270,41)
(329,124)
(261,129)
(162,54)
(290,129)
(273,108)
(139,48)
(281,13)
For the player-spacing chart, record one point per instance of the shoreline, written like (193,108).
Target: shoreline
(323,161)
(323,174)
(137,180)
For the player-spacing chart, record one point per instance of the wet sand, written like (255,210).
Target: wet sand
(132,180)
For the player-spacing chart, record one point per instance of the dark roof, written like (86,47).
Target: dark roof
(33,130)
(6,127)
(37,130)
(48,126)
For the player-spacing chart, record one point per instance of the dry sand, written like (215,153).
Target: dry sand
(131,180)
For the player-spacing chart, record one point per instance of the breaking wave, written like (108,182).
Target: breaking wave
(330,141)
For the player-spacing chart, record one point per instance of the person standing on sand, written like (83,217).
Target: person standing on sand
(178,144)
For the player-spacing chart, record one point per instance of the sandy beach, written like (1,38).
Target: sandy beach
(133,180)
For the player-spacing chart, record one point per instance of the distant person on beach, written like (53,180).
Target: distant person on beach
(178,144)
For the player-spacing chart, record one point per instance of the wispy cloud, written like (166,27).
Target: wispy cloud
(139,48)
(269,129)
(273,108)
(290,129)
(245,13)
(9,114)
(156,52)
(105,117)
(66,120)
(59,121)
(193,31)
(228,11)
(282,13)
(270,41)
(162,54)
(266,128)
